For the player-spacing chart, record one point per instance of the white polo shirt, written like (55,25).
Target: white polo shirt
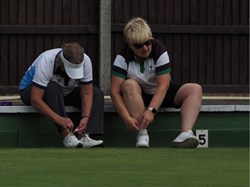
(41,72)
(128,67)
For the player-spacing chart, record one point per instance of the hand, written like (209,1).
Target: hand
(132,124)
(65,123)
(146,118)
(82,125)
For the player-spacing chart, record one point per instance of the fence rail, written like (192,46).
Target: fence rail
(207,40)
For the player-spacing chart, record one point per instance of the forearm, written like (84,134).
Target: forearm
(163,83)
(157,99)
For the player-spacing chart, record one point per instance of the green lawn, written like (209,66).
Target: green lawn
(128,167)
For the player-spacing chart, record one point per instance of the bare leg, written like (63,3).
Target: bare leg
(132,98)
(190,97)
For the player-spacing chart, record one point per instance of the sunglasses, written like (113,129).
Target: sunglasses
(139,46)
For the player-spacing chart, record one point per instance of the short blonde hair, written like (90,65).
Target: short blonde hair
(137,31)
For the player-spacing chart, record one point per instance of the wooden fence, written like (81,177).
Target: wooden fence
(207,40)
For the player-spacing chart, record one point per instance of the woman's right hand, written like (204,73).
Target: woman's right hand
(132,124)
(65,123)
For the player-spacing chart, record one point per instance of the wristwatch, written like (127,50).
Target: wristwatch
(152,109)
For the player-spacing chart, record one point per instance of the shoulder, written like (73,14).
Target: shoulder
(126,53)
(86,58)
(158,48)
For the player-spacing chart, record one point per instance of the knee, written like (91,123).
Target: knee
(130,86)
(196,90)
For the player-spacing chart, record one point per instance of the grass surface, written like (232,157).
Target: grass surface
(128,167)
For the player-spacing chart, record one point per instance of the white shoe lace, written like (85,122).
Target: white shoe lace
(86,136)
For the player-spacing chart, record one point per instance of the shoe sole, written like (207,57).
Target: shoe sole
(142,146)
(188,143)
(99,145)
(79,145)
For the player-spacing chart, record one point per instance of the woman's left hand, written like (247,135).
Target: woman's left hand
(146,118)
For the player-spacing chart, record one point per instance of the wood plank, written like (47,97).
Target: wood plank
(4,60)
(31,12)
(186,12)
(202,58)
(178,9)
(84,12)
(149,13)
(194,64)
(66,12)
(13,16)
(235,60)
(218,60)
(169,14)
(244,12)
(203,12)
(4,12)
(118,7)
(210,60)
(227,60)
(218,71)
(144,10)
(126,9)
(48,29)
(47,12)
(244,60)
(160,7)
(227,12)
(177,58)
(93,15)
(192,29)
(185,62)
(58,12)
(21,62)
(194,19)
(74,18)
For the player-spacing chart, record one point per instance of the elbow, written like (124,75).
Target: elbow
(33,102)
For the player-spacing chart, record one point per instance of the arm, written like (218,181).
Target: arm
(86,102)
(163,82)
(37,102)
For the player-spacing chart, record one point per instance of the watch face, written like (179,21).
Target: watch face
(153,110)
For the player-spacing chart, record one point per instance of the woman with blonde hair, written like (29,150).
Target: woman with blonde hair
(141,84)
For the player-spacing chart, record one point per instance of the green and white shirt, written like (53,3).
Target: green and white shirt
(128,67)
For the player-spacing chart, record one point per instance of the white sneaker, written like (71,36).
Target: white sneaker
(88,142)
(70,141)
(186,140)
(142,139)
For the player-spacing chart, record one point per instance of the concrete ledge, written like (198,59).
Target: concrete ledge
(15,105)
(109,108)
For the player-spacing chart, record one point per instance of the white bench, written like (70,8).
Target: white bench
(108,107)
